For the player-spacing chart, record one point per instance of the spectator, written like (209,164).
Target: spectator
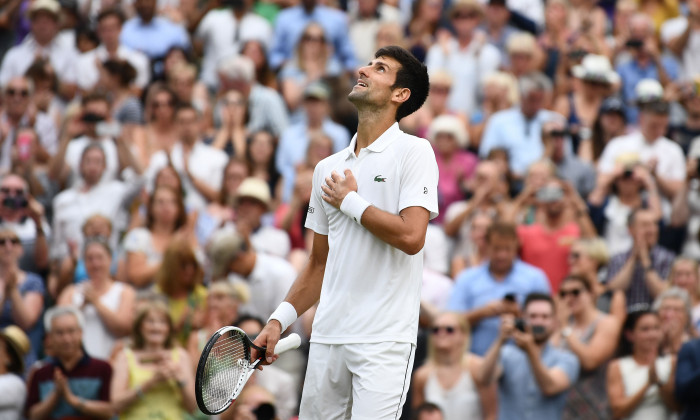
(57,389)
(640,272)
(533,376)
(153,378)
(268,277)
(495,287)
(182,79)
(685,275)
(232,135)
(116,77)
(256,50)
(222,32)
(591,335)
(524,207)
(200,166)
(519,130)
(109,27)
(422,29)
(685,131)
(570,168)
(449,139)
(221,210)
(640,383)
(523,54)
(500,93)
(106,305)
(609,124)
(144,247)
(680,35)
(480,223)
(555,39)
(255,402)
(428,411)
(21,213)
(467,56)
(160,132)
(449,364)
(15,345)
(260,157)
(686,388)
(496,25)
(366,17)
(674,308)
(150,34)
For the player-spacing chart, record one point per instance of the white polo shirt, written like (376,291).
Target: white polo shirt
(669,155)
(371,290)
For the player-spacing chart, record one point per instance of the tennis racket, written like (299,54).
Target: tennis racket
(225,366)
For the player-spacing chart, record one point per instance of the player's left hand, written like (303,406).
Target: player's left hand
(337,187)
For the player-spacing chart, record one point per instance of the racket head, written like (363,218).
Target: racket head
(223,370)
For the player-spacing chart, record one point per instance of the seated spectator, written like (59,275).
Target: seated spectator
(179,280)
(449,138)
(107,306)
(153,378)
(523,54)
(428,411)
(221,210)
(71,384)
(673,307)
(447,378)
(494,288)
(117,77)
(640,272)
(591,335)
(686,386)
(260,157)
(22,293)
(610,122)
(144,246)
(21,213)
(685,275)
(640,383)
(268,277)
(13,391)
(232,135)
(533,376)
(588,260)
(569,167)
(480,224)
(151,34)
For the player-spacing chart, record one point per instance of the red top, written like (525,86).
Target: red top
(548,250)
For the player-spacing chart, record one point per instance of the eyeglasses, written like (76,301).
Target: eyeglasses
(313,38)
(465,15)
(573,292)
(448,329)
(7,241)
(10,191)
(22,92)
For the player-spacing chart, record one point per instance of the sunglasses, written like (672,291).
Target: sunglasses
(573,292)
(7,241)
(312,38)
(448,329)
(22,92)
(9,191)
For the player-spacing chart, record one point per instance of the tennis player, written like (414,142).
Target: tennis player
(369,210)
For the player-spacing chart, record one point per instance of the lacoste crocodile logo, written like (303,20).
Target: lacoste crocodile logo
(379,178)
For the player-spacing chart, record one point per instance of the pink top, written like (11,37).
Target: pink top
(452,173)
(547,250)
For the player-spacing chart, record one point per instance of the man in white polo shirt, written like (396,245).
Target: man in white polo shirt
(369,210)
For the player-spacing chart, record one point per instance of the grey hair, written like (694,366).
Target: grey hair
(9,174)
(674,293)
(237,67)
(643,18)
(532,82)
(58,311)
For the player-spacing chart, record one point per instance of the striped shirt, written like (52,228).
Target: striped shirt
(638,292)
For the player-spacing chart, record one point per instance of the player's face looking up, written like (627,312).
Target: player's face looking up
(374,88)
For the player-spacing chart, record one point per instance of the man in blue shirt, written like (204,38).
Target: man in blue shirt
(687,389)
(291,23)
(533,376)
(150,34)
(494,288)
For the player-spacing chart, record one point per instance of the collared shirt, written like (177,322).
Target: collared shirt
(519,394)
(522,138)
(475,287)
(365,276)
(88,75)
(468,67)
(63,58)
(638,292)
(632,73)
(290,25)
(155,38)
(294,144)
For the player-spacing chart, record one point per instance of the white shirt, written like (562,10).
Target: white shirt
(74,154)
(668,154)
(13,393)
(267,239)
(88,74)
(63,58)
(371,290)
(205,163)
(674,28)
(223,36)
(437,250)
(468,67)
(269,283)
(363,32)
(436,288)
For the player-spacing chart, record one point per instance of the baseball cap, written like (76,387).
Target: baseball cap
(613,104)
(51,6)
(223,248)
(254,188)
(317,90)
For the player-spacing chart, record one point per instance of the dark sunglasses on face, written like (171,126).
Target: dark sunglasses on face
(22,92)
(448,330)
(158,104)
(312,38)
(10,191)
(573,292)
(6,241)
(465,15)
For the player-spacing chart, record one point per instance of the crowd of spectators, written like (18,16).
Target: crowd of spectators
(156,160)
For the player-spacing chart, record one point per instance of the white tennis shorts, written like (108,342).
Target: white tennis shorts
(356,381)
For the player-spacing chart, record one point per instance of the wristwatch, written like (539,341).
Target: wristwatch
(566,332)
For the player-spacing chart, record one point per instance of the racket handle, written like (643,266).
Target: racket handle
(293,341)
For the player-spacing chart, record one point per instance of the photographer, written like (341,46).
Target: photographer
(533,376)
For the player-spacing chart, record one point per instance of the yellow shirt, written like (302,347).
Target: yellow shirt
(177,307)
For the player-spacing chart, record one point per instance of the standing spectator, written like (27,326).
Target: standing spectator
(451,363)
(107,306)
(495,287)
(13,391)
(591,335)
(290,24)
(150,34)
(610,123)
(467,56)
(674,309)
(153,378)
(685,275)
(687,376)
(71,384)
(640,383)
(569,167)
(640,272)
(533,376)
(223,31)
(260,158)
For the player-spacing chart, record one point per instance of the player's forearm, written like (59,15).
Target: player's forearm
(396,230)
(306,290)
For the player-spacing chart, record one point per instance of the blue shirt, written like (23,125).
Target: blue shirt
(154,39)
(294,144)
(476,287)
(687,388)
(32,283)
(631,73)
(522,138)
(519,395)
(290,24)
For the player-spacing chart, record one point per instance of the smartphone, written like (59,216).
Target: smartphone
(24,146)
(520,324)
(509,297)
(108,129)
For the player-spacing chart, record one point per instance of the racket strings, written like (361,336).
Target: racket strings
(226,364)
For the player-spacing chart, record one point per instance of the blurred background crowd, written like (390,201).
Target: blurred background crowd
(156,159)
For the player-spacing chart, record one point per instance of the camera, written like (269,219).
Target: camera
(627,173)
(520,324)
(634,43)
(16,202)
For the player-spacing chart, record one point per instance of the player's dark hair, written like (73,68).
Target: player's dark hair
(412,75)
(538,297)
(504,230)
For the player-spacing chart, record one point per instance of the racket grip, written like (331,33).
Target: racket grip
(293,341)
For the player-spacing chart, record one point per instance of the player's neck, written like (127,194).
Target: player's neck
(372,124)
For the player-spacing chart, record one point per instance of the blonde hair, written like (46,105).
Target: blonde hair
(137,339)
(694,264)
(596,249)
(507,81)
(238,291)
(183,70)
(96,218)
(463,326)
(521,42)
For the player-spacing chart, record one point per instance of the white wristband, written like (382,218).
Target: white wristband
(285,314)
(353,206)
